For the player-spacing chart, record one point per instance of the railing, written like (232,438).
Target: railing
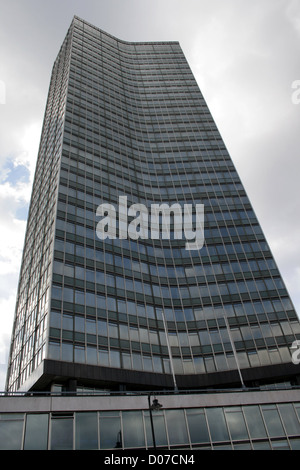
(102,393)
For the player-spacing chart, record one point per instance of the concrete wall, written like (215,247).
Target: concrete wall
(15,404)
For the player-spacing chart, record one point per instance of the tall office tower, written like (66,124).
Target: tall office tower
(126,125)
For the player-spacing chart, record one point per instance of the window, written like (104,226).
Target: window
(110,430)
(79,352)
(91,355)
(133,429)
(103,357)
(86,431)
(115,360)
(289,418)
(272,420)
(197,426)
(158,426)
(217,424)
(236,423)
(11,431)
(67,352)
(36,434)
(62,432)
(177,434)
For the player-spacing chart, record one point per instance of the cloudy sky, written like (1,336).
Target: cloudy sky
(245,57)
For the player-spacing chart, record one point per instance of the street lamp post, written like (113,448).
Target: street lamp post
(155,406)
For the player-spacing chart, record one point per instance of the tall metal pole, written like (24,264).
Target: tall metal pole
(170,353)
(151,421)
(234,352)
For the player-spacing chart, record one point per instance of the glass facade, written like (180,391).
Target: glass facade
(247,427)
(128,119)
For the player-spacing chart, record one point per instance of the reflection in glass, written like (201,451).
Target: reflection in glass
(197,426)
(217,425)
(177,433)
(280,445)
(36,435)
(62,432)
(272,420)
(295,444)
(261,446)
(242,446)
(110,432)
(289,418)
(133,429)
(254,422)
(159,429)
(86,431)
(236,423)
(11,430)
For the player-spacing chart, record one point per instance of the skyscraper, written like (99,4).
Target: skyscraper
(112,303)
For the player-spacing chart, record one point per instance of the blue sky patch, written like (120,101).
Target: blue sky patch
(17,173)
(22,212)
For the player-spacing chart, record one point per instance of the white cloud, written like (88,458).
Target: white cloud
(29,142)
(293,14)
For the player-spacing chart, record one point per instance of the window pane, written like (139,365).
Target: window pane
(217,425)
(254,421)
(236,424)
(91,355)
(273,421)
(197,426)
(36,434)
(289,418)
(62,433)
(86,431)
(79,354)
(261,446)
(160,434)
(133,429)
(11,430)
(103,358)
(67,352)
(295,444)
(242,446)
(115,360)
(176,427)
(280,445)
(110,433)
